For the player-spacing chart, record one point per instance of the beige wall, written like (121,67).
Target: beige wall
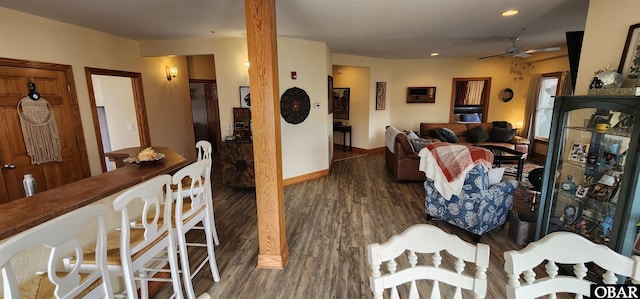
(357,79)
(304,146)
(439,72)
(379,70)
(201,67)
(80,47)
(604,37)
(115,94)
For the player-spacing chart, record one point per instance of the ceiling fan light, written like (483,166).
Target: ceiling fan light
(509,12)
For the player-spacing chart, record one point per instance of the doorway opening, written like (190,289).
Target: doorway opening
(205,111)
(119,113)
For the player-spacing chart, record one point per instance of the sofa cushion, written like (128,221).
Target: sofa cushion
(502,124)
(419,143)
(478,134)
(498,134)
(445,134)
(495,175)
(412,135)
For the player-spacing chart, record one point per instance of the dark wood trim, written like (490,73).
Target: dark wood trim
(305,177)
(139,103)
(77,120)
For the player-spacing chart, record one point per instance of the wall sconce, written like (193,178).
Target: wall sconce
(171,71)
(246,64)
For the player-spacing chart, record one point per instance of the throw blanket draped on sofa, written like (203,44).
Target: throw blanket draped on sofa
(389,137)
(447,164)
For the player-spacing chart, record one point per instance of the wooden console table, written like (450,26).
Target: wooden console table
(236,163)
(24,213)
(344,129)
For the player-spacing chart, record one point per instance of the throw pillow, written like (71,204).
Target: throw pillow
(501,134)
(444,134)
(502,124)
(419,143)
(412,135)
(495,175)
(478,134)
(471,118)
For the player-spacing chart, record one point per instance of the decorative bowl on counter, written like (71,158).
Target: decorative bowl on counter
(135,160)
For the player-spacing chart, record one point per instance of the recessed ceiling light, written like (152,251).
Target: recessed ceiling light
(509,12)
(434,54)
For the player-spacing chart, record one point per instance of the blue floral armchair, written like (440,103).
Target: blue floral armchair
(478,208)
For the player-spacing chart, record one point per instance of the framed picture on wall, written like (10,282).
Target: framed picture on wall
(245,97)
(341,102)
(630,62)
(381,95)
(330,94)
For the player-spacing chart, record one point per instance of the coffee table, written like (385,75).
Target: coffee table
(504,154)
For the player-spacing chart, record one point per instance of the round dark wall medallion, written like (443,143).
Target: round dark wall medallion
(295,105)
(506,94)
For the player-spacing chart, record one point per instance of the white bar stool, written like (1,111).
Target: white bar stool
(188,213)
(60,235)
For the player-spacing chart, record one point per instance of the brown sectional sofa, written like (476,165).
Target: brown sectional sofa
(460,129)
(404,162)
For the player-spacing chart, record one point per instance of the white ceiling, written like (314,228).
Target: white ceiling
(373,28)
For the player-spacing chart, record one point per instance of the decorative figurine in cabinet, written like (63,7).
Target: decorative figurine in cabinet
(590,184)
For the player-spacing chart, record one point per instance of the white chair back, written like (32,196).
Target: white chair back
(60,235)
(569,249)
(204,150)
(153,241)
(190,210)
(418,240)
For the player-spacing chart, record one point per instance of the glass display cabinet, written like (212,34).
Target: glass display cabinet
(590,184)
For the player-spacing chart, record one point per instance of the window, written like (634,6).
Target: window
(544,110)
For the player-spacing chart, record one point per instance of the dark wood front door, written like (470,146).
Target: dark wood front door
(54,82)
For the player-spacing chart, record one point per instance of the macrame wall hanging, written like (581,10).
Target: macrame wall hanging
(39,128)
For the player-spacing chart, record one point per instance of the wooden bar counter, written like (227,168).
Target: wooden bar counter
(22,214)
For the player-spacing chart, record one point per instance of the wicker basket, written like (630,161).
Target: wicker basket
(522,227)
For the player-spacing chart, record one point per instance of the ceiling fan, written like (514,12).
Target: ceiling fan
(517,51)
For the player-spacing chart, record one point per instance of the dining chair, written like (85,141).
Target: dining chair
(204,152)
(144,252)
(60,236)
(574,253)
(424,242)
(140,254)
(188,213)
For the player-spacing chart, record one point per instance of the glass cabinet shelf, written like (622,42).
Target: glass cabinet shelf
(590,184)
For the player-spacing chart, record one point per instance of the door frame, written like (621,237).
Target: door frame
(138,102)
(213,112)
(73,98)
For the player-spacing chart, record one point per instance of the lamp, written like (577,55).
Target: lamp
(171,71)
(519,124)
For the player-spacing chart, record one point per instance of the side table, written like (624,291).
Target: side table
(344,130)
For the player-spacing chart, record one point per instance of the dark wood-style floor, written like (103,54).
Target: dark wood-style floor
(329,222)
